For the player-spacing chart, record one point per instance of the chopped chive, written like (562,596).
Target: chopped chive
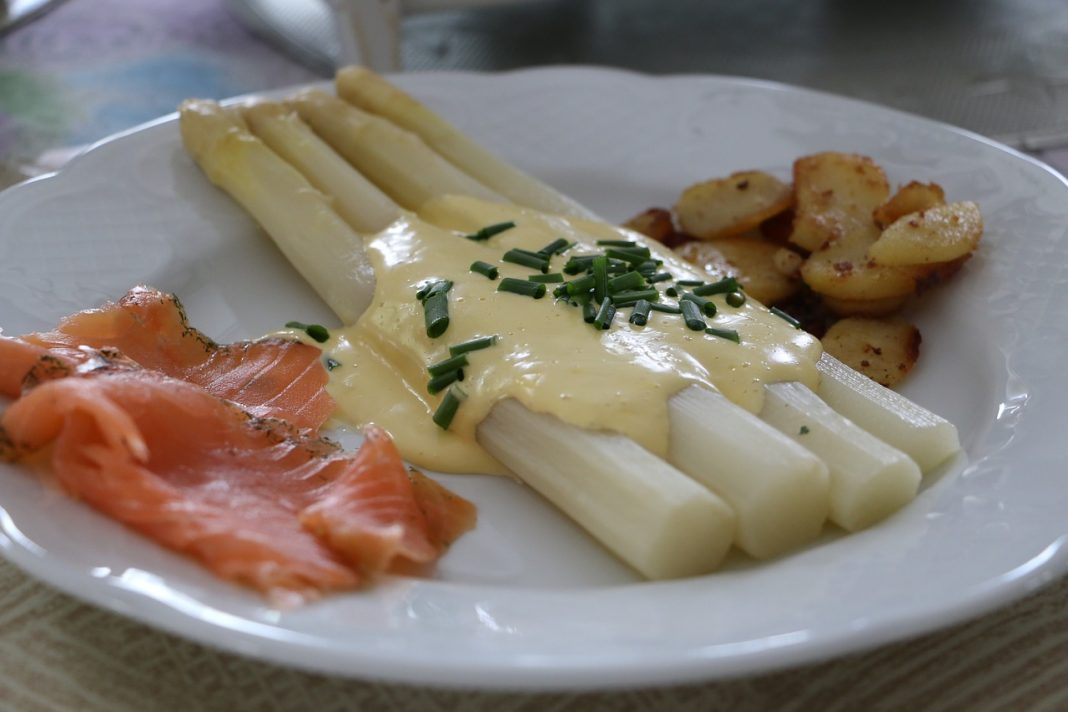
(735,299)
(436,286)
(618,266)
(490,230)
(727,284)
(633,250)
(804,430)
(625,299)
(316,331)
(578,264)
(331,363)
(648,267)
(440,382)
(521,286)
(589,312)
(449,405)
(604,317)
(546,278)
(582,284)
(640,315)
(629,280)
(600,277)
(707,305)
(632,258)
(561,291)
(436,314)
(665,308)
(526,259)
(728,334)
(484,268)
(556,247)
(691,314)
(476,344)
(617,243)
(785,317)
(659,277)
(671,292)
(450,364)
(689,282)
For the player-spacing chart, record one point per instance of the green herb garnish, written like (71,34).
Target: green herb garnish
(446,410)
(485,269)
(785,317)
(490,230)
(546,278)
(728,334)
(521,286)
(476,344)
(691,314)
(640,315)
(315,331)
(735,299)
(727,284)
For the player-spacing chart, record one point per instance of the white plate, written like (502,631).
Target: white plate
(527,600)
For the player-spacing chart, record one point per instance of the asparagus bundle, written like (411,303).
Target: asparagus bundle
(765,484)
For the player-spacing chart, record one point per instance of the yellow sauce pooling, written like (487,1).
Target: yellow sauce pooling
(547,357)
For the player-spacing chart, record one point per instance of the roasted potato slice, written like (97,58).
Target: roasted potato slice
(751,258)
(654,222)
(836,196)
(941,234)
(885,350)
(730,206)
(911,198)
(842,269)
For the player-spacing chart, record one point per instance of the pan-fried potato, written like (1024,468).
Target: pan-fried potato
(751,258)
(842,269)
(836,195)
(911,198)
(788,262)
(885,350)
(730,206)
(654,222)
(941,234)
(842,256)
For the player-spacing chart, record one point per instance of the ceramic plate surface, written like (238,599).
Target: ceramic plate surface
(527,600)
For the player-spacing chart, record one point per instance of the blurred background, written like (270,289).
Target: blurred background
(73,72)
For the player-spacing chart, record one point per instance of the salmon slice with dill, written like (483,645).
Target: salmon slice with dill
(275,378)
(255,500)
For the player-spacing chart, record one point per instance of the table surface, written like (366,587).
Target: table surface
(94,67)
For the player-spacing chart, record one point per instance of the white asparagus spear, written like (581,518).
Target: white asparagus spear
(925,437)
(778,489)
(300,219)
(869,479)
(397,161)
(651,515)
(370,92)
(283,131)
(648,513)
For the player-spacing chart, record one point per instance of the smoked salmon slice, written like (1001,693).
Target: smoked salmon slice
(213,450)
(271,378)
(255,500)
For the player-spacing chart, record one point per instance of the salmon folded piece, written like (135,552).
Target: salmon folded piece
(255,500)
(271,378)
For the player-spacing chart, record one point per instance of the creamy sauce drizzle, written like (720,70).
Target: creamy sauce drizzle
(547,357)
